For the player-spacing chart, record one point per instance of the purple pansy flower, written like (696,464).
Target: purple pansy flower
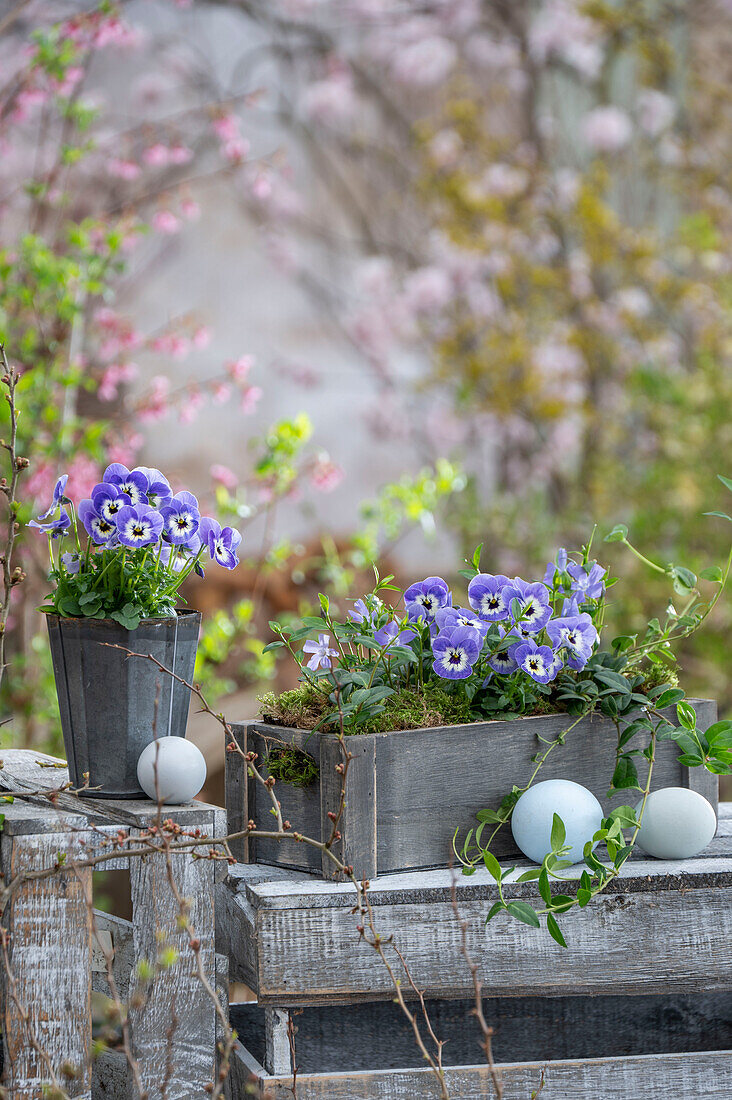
(535,610)
(321,652)
(101,530)
(181,519)
(131,482)
(53,527)
(577,634)
(485,595)
(58,497)
(449,618)
(537,660)
(588,585)
(455,652)
(423,598)
(158,486)
(557,566)
(390,635)
(138,525)
(222,542)
(71,563)
(108,499)
(504,660)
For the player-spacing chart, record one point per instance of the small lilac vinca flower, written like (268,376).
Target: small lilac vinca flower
(424,598)
(448,618)
(107,500)
(181,518)
(390,635)
(58,497)
(576,634)
(131,482)
(138,525)
(534,608)
(537,660)
(589,585)
(52,527)
(360,613)
(485,595)
(455,652)
(222,542)
(321,652)
(101,530)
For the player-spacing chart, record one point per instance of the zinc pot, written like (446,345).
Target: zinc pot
(112,705)
(407,791)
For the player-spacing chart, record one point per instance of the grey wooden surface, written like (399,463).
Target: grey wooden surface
(408,790)
(652,1077)
(663,925)
(50,925)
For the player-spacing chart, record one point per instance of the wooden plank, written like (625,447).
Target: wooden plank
(122,937)
(659,932)
(299,805)
(235,785)
(653,1076)
(49,921)
(174,1029)
(357,846)
(277,1056)
(377,1035)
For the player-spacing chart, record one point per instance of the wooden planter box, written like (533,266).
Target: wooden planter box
(409,790)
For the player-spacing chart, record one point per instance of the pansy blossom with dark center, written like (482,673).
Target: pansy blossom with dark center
(486,596)
(181,518)
(107,500)
(131,482)
(390,635)
(52,527)
(424,598)
(101,530)
(448,618)
(222,542)
(504,660)
(534,610)
(159,492)
(138,525)
(576,634)
(455,652)
(537,660)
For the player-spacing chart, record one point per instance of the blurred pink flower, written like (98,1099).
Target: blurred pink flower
(180,154)
(235,150)
(191,406)
(238,369)
(326,475)
(331,100)
(155,405)
(226,127)
(156,155)
(427,289)
(224,476)
(656,111)
(426,62)
(250,399)
(606,129)
(123,169)
(221,392)
(164,221)
(201,338)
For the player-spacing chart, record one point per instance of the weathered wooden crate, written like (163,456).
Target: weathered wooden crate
(409,790)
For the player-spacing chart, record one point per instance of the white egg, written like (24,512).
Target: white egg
(533,814)
(171,769)
(677,823)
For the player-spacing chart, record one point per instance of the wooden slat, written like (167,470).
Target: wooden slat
(235,785)
(357,846)
(653,1077)
(659,929)
(49,921)
(174,1031)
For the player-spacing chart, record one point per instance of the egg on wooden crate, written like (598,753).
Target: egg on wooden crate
(533,815)
(677,823)
(172,770)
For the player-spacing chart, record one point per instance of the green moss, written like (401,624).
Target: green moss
(653,675)
(291,765)
(303,708)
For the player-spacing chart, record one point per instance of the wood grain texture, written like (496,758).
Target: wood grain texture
(357,846)
(235,786)
(653,1077)
(49,921)
(174,1031)
(377,1035)
(663,927)
(278,1058)
(422,784)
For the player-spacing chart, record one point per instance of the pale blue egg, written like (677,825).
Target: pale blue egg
(533,814)
(677,823)
(171,769)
